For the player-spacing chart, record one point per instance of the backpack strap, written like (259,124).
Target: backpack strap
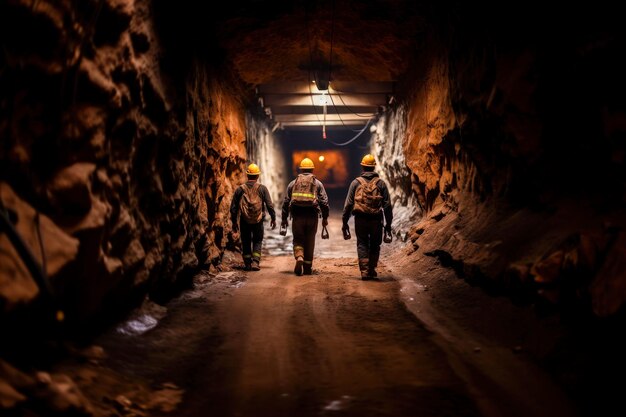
(363,181)
(254,189)
(246,187)
(302,176)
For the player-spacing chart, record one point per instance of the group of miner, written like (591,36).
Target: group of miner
(305,203)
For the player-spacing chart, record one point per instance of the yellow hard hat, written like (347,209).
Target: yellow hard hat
(253,169)
(307,164)
(368,161)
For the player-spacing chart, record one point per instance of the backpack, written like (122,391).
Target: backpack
(367,197)
(304,191)
(251,204)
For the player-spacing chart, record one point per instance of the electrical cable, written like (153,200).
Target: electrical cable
(44,266)
(339,116)
(36,271)
(312,101)
(306,20)
(354,138)
(308,41)
(350,110)
(332,38)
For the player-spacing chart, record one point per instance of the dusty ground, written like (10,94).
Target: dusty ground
(416,342)
(272,344)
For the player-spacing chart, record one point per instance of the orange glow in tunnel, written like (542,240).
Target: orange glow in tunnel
(331,165)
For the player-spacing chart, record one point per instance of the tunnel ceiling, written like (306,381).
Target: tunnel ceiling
(286,50)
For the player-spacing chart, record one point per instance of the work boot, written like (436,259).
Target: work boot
(299,263)
(363,266)
(373,263)
(308,269)
(247,266)
(255,265)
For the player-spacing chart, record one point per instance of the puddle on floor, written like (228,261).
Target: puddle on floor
(340,404)
(143,319)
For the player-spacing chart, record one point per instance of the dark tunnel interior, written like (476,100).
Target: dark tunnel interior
(127,127)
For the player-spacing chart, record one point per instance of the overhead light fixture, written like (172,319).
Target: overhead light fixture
(321,80)
(322,85)
(321,99)
(321,158)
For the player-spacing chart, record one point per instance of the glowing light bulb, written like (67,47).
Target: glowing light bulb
(321,99)
(321,158)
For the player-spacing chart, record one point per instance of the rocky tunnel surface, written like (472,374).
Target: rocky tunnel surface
(126,125)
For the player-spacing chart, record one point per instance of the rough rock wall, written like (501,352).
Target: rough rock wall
(128,169)
(387,146)
(265,151)
(516,145)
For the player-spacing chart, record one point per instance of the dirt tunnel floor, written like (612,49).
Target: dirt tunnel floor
(269,343)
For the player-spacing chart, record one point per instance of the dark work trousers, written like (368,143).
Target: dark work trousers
(251,241)
(304,228)
(369,236)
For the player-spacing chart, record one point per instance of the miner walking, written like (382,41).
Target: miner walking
(305,201)
(247,213)
(368,200)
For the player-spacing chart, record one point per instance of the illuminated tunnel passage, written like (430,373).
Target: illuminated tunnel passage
(337,162)
(127,125)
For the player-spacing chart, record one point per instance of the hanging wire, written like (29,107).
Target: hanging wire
(313,102)
(350,109)
(325,109)
(339,116)
(330,64)
(308,41)
(332,34)
(23,250)
(41,247)
(354,138)
(332,38)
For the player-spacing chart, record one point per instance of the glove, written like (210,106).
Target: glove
(273,224)
(324,222)
(387,238)
(346,231)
